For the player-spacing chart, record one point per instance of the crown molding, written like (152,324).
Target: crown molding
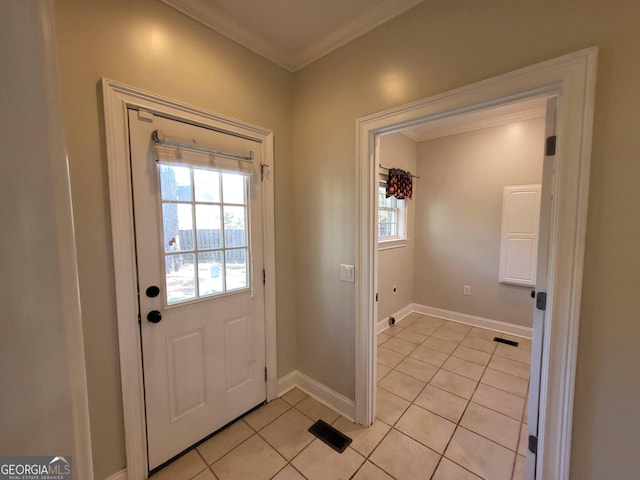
(357,27)
(211,17)
(226,25)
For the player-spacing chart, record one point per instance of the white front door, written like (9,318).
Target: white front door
(199,255)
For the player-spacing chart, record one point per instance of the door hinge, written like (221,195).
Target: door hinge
(376,297)
(533,444)
(265,374)
(264,276)
(550,148)
(541,300)
(262,167)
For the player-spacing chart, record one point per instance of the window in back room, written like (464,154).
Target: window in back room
(391,216)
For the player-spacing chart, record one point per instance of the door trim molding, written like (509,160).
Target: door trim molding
(572,79)
(117,97)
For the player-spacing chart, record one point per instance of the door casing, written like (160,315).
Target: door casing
(572,79)
(117,97)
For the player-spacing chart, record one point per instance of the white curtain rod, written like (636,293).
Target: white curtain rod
(388,168)
(157,137)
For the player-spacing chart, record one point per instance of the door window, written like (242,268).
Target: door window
(205,232)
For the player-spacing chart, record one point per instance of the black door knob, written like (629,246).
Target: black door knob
(152,291)
(154,316)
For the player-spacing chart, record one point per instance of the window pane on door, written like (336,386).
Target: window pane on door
(180,278)
(235,233)
(210,273)
(175,183)
(207,185)
(233,188)
(177,223)
(208,226)
(236,268)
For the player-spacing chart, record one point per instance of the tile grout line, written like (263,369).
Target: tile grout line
(440,455)
(458,344)
(459,420)
(392,426)
(520,423)
(290,462)
(513,463)
(432,335)
(257,432)
(254,432)
(207,466)
(469,401)
(459,358)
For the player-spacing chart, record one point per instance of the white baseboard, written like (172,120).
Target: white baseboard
(482,322)
(315,389)
(121,475)
(399,315)
(286,383)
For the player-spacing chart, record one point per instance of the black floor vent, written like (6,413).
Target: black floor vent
(329,435)
(508,342)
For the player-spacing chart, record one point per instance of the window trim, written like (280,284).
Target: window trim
(392,244)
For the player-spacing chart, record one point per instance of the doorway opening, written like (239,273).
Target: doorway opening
(570,79)
(442,363)
(119,99)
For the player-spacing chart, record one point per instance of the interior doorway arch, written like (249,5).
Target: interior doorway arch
(570,78)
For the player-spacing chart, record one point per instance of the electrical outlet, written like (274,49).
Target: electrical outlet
(466,290)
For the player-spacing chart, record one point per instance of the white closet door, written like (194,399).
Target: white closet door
(519,238)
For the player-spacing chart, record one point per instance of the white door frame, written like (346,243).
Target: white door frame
(117,97)
(572,79)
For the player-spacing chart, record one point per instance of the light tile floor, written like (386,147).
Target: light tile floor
(451,405)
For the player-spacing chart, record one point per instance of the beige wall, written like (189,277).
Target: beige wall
(435,47)
(146,44)
(37,284)
(395,265)
(459,218)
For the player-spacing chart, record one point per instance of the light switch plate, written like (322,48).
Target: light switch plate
(347,273)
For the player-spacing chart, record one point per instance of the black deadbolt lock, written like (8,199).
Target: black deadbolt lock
(154,316)
(152,291)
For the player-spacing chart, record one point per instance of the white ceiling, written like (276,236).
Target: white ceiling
(292,33)
(484,118)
